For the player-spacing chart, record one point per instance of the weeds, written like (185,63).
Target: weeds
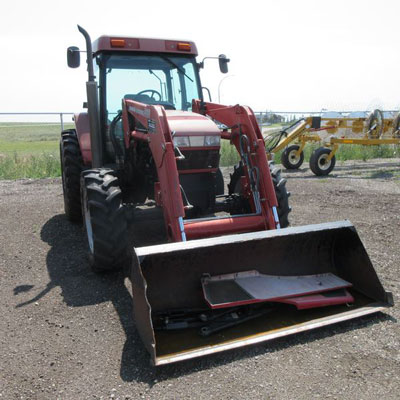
(353,152)
(31,151)
(31,132)
(229,154)
(15,166)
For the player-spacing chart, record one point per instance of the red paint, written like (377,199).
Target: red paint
(196,171)
(140,136)
(160,141)
(301,302)
(200,148)
(318,300)
(241,120)
(186,123)
(83,132)
(157,194)
(223,226)
(103,43)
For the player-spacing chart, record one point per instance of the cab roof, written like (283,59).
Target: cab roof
(133,44)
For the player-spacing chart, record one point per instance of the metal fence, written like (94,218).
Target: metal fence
(264,118)
(37,117)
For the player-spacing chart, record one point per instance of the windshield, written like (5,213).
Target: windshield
(152,79)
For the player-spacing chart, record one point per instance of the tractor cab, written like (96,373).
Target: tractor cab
(168,80)
(148,71)
(129,73)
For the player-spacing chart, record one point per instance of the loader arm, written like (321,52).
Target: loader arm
(157,134)
(245,134)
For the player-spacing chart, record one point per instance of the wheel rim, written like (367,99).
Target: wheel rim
(323,162)
(88,222)
(293,158)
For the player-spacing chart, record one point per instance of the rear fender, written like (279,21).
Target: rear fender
(83,132)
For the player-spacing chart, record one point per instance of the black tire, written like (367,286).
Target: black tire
(375,118)
(318,164)
(234,185)
(104,220)
(282,194)
(71,167)
(219,183)
(289,159)
(396,126)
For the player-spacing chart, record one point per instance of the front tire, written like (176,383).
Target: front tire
(319,163)
(71,167)
(290,160)
(104,220)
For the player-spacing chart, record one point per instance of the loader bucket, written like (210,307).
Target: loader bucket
(168,279)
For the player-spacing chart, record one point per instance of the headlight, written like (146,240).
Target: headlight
(197,141)
(181,141)
(214,140)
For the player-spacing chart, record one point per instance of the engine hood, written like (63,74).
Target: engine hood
(186,123)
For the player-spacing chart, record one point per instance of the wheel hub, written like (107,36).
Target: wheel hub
(323,162)
(293,157)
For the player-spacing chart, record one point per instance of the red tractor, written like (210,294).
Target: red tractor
(148,134)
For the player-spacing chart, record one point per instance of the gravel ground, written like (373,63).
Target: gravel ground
(67,333)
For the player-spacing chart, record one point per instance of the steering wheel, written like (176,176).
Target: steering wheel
(151,93)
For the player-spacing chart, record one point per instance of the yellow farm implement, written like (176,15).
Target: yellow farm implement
(376,129)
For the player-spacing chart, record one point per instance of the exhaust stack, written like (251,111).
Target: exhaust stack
(92,105)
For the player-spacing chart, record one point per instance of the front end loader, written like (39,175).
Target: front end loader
(229,272)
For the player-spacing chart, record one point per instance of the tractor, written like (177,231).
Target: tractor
(230,267)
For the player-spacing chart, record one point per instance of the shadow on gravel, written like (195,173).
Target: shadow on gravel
(68,269)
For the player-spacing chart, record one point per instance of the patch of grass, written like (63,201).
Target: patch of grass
(29,150)
(229,154)
(357,152)
(15,166)
(28,147)
(30,131)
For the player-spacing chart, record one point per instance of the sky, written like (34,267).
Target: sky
(286,55)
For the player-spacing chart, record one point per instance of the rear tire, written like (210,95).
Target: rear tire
(104,220)
(71,167)
(319,164)
(289,159)
(282,195)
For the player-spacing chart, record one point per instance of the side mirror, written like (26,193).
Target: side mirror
(223,63)
(73,57)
